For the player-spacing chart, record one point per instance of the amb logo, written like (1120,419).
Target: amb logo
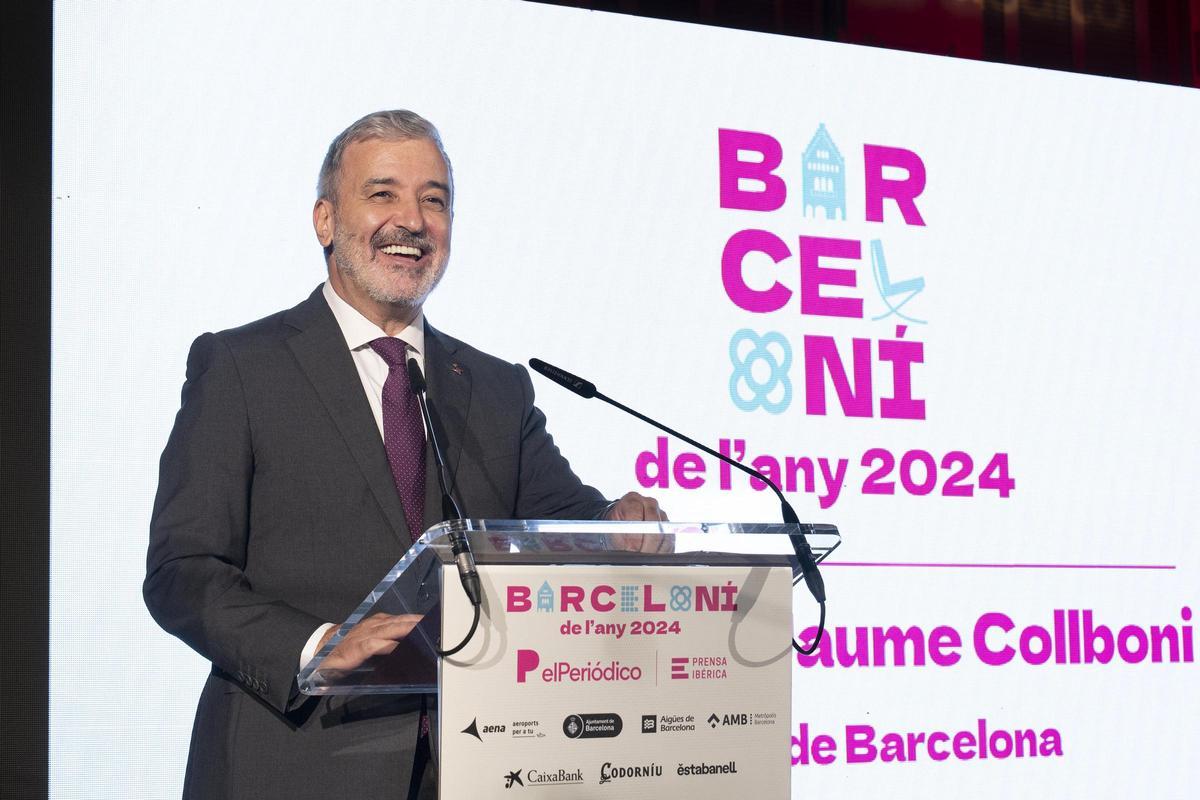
(728,719)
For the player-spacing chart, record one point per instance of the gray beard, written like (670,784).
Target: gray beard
(366,277)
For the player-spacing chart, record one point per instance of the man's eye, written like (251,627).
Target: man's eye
(383,194)
(436,202)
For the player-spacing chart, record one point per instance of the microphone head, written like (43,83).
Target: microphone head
(585,389)
(415,378)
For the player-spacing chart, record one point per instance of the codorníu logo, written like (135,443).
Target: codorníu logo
(610,773)
(592,726)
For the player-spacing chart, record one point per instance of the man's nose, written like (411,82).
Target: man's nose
(409,215)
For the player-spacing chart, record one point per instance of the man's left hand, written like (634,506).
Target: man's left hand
(634,507)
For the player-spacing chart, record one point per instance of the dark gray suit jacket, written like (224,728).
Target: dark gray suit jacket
(276,512)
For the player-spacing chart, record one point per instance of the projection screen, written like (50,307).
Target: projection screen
(945,303)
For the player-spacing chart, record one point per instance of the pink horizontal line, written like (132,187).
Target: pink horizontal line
(935,565)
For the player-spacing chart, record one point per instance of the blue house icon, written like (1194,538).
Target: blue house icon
(545,598)
(824,177)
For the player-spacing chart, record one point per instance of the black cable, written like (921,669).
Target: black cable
(737,464)
(805,560)
(812,577)
(470,633)
(817,641)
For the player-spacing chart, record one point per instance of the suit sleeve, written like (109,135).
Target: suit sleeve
(195,583)
(548,488)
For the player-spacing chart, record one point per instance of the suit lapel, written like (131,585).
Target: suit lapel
(450,391)
(321,351)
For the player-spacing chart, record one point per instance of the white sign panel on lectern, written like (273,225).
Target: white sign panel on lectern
(631,682)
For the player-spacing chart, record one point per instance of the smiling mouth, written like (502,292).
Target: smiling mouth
(402,250)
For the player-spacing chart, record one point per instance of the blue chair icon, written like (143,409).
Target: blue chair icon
(888,291)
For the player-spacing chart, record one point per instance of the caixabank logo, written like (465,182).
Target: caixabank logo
(542,777)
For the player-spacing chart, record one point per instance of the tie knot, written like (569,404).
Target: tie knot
(390,350)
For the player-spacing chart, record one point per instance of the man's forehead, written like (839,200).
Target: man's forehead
(395,159)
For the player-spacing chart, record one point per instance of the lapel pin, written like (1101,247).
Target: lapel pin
(457,367)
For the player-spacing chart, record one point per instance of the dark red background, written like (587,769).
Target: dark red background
(1149,40)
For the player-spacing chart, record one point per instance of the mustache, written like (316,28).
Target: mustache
(403,239)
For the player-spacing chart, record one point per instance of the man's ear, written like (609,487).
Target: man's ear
(323,222)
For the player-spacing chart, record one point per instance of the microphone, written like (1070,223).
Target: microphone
(808,563)
(463,558)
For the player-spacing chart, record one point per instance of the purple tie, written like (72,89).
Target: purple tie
(403,433)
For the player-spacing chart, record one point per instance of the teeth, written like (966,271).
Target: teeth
(401,250)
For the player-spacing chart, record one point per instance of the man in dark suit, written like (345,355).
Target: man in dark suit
(296,475)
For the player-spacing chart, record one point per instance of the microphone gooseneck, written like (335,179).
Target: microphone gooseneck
(416,379)
(464,560)
(808,563)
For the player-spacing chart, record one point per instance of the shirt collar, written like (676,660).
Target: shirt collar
(359,331)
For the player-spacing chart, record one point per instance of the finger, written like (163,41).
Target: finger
(393,631)
(628,508)
(366,648)
(397,629)
(351,654)
(372,626)
(376,620)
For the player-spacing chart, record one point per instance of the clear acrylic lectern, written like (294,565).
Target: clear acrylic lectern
(414,584)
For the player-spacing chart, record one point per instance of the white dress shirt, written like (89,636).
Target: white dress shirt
(359,333)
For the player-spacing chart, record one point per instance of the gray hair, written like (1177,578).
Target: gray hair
(398,125)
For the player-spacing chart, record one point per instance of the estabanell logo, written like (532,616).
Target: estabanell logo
(729,768)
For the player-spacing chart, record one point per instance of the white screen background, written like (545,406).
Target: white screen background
(588,232)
